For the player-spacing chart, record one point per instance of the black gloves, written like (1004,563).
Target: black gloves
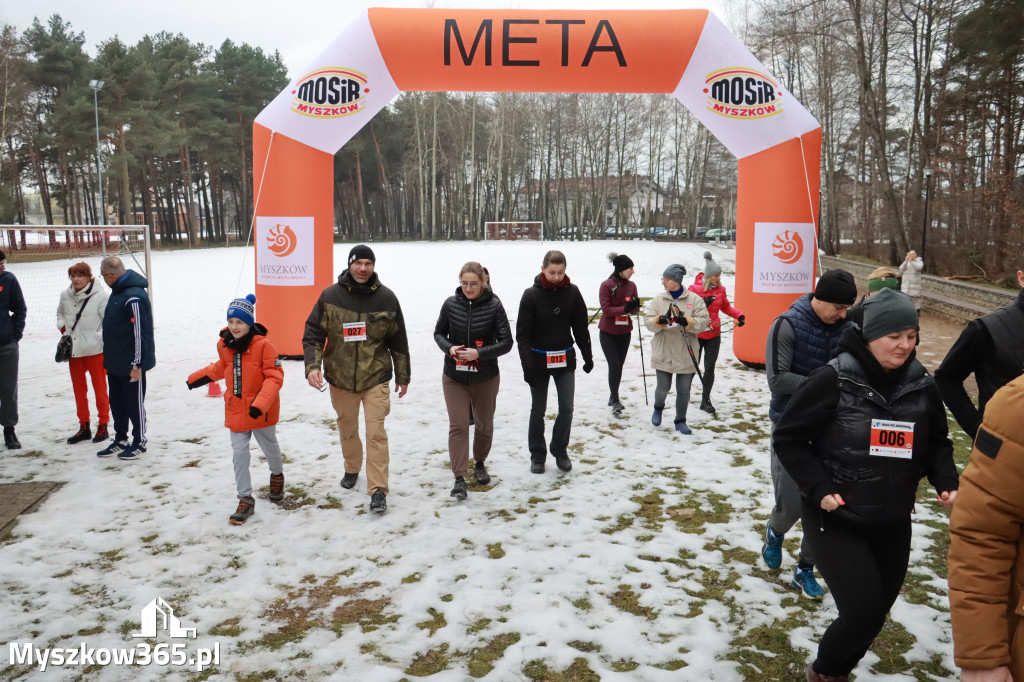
(741,320)
(631,305)
(587,366)
(201,381)
(255,412)
(708,300)
(665,319)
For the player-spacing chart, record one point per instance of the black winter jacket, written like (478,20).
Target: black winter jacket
(549,320)
(823,438)
(481,324)
(12,309)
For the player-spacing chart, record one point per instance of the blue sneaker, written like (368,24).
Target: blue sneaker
(656,417)
(115,447)
(771,550)
(682,428)
(131,452)
(804,580)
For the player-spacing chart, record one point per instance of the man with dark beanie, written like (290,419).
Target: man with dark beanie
(800,340)
(357,333)
(12,325)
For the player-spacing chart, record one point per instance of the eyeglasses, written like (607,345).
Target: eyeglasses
(469,285)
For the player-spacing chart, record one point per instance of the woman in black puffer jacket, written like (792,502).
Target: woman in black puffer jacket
(857,437)
(473,331)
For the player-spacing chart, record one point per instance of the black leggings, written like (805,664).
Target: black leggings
(709,349)
(863,565)
(615,347)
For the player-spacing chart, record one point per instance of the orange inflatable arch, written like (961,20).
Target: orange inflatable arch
(688,53)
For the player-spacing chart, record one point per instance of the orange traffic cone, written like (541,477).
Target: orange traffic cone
(214,390)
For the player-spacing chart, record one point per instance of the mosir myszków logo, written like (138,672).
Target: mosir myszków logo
(742,93)
(330,92)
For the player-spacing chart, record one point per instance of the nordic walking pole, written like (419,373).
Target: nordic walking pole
(686,342)
(643,368)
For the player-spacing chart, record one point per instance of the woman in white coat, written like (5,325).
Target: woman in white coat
(676,316)
(911,267)
(85,300)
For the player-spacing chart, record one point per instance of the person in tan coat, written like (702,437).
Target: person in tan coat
(676,316)
(986,553)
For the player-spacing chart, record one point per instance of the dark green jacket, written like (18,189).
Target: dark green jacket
(356,366)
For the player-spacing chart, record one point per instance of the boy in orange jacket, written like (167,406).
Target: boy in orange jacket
(249,366)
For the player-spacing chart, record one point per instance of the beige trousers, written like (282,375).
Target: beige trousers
(376,404)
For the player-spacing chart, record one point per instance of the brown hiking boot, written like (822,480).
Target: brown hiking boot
(276,487)
(818,677)
(246,508)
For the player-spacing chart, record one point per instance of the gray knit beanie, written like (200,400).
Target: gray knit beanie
(888,312)
(711,268)
(675,272)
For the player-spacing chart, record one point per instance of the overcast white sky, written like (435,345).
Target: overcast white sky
(298,29)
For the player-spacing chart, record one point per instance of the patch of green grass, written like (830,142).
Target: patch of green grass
(678,664)
(650,511)
(623,522)
(890,645)
(194,441)
(436,622)
(579,671)
(429,663)
(766,653)
(227,628)
(583,604)
(502,514)
(478,626)
(193,464)
(708,507)
(623,666)
(625,599)
(585,647)
(481,659)
(494,551)
(332,424)
(414,578)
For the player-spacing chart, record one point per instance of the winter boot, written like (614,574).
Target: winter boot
(536,467)
(348,481)
(480,473)
(11,440)
(771,550)
(803,579)
(682,428)
(706,405)
(617,408)
(246,508)
(101,434)
(276,487)
(459,489)
(378,502)
(84,433)
(656,417)
(563,462)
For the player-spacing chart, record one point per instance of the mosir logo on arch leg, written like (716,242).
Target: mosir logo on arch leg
(782,264)
(284,251)
(282,240)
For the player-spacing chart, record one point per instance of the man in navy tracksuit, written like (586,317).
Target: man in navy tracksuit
(12,325)
(128,353)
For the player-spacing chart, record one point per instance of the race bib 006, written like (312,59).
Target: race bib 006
(891,439)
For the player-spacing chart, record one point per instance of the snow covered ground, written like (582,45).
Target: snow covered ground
(640,564)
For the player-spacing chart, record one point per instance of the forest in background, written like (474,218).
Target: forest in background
(899,86)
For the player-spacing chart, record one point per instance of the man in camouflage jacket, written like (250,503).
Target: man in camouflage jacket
(356,332)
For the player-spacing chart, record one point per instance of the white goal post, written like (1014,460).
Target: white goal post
(514,230)
(40,255)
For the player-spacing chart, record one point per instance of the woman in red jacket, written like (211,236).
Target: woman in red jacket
(708,285)
(618,301)
(249,366)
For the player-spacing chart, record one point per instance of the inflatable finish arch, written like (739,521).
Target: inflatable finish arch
(688,53)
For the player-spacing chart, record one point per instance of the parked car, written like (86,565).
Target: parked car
(717,233)
(702,230)
(657,232)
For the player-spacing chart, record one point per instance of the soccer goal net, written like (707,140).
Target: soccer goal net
(40,255)
(514,230)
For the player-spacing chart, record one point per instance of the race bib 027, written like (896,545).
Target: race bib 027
(354,331)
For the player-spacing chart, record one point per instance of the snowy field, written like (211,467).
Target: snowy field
(641,564)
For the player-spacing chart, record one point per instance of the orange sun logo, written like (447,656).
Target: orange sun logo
(788,247)
(281,240)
